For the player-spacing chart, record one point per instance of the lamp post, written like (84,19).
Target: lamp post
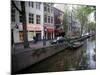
(44,37)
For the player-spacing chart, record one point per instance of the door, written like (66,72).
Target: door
(38,36)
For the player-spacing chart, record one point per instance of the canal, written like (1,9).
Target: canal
(83,58)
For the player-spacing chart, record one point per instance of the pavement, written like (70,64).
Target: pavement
(18,48)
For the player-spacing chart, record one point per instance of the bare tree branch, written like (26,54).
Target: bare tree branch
(16,7)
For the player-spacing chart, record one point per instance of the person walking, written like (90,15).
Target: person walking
(34,37)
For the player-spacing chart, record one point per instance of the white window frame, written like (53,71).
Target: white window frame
(31,18)
(48,19)
(38,19)
(38,5)
(31,4)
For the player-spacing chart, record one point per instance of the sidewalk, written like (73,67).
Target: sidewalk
(20,48)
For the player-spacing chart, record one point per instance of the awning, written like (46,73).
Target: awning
(59,31)
(50,30)
(34,27)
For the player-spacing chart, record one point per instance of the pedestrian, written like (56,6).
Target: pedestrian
(33,39)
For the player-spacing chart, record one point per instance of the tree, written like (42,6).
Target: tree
(91,26)
(82,15)
(23,14)
(65,23)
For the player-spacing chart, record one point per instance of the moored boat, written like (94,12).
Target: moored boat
(75,45)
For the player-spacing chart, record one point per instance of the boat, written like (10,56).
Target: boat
(75,45)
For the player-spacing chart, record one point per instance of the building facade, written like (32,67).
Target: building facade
(58,18)
(73,24)
(49,20)
(39,20)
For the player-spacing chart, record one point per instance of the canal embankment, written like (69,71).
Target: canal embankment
(27,58)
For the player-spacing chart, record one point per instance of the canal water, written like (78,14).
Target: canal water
(89,56)
(83,58)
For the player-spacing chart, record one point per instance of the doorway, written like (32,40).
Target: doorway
(38,36)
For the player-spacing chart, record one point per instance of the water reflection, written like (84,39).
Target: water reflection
(89,56)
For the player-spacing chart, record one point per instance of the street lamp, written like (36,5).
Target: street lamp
(44,37)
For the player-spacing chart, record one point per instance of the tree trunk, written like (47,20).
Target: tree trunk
(82,25)
(26,44)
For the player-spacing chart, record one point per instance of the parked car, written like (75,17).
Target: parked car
(58,40)
(85,34)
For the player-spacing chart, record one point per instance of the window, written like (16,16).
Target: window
(51,19)
(31,34)
(31,18)
(48,19)
(31,4)
(13,14)
(20,18)
(21,36)
(38,6)
(37,19)
(49,9)
(45,18)
(45,7)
